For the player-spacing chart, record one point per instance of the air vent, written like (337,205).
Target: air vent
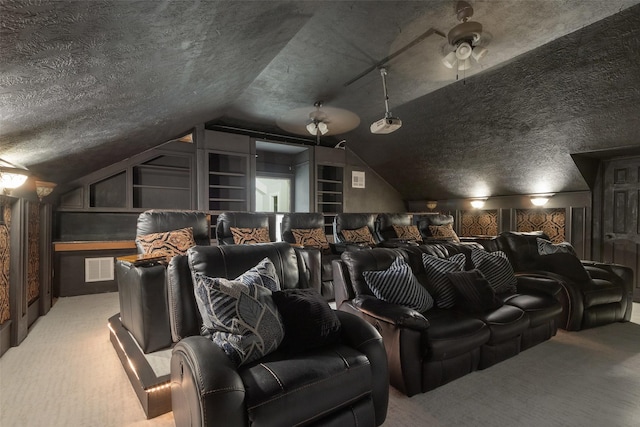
(98,269)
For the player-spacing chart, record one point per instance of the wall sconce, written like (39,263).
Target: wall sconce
(44,188)
(431,204)
(540,200)
(12,177)
(478,203)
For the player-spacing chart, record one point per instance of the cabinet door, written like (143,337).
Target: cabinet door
(228,181)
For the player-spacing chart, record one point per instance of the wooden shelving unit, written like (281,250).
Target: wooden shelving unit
(228,182)
(162,183)
(329,193)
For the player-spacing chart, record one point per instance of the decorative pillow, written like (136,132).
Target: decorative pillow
(169,243)
(360,235)
(313,237)
(473,292)
(409,232)
(436,270)
(308,320)
(243,320)
(444,231)
(263,274)
(545,247)
(564,264)
(248,236)
(496,268)
(398,285)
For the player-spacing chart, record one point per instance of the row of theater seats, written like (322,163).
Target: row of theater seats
(348,228)
(350,231)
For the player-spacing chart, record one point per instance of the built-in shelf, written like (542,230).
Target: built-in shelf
(163,182)
(329,192)
(228,181)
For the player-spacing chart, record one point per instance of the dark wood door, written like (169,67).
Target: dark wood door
(620,222)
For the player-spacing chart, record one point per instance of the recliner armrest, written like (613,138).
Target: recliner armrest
(205,385)
(398,315)
(537,284)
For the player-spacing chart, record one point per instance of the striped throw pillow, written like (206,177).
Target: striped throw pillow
(398,285)
(495,266)
(436,270)
(545,247)
(473,292)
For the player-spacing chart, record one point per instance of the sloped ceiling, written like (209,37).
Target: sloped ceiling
(88,83)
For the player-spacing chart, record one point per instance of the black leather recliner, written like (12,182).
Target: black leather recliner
(425,220)
(226,220)
(307,221)
(593,293)
(426,350)
(343,384)
(142,291)
(386,233)
(353,221)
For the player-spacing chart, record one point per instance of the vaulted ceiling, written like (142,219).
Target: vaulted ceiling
(89,83)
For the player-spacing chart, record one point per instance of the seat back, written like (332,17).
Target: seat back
(226,220)
(299,220)
(353,221)
(385,222)
(227,261)
(159,221)
(425,220)
(521,248)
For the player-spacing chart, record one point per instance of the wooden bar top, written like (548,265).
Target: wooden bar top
(93,245)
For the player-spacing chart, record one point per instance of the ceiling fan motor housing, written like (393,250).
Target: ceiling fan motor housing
(469,31)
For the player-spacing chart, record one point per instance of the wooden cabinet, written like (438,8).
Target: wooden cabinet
(228,181)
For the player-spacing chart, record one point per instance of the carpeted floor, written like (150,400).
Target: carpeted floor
(66,373)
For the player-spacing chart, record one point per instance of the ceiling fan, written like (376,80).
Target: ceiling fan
(322,121)
(465,41)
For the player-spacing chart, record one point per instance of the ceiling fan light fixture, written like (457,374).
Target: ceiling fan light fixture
(450,60)
(463,51)
(464,65)
(315,126)
(479,52)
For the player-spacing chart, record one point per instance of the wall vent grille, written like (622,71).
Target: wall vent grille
(98,269)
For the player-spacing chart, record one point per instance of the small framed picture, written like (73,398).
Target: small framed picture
(357,179)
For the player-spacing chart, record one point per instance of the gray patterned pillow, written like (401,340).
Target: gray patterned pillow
(398,285)
(263,274)
(436,270)
(496,268)
(546,247)
(243,319)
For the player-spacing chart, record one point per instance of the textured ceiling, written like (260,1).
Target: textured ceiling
(85,84)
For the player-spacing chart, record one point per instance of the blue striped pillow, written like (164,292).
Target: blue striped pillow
(436,270)
(496,268)
(398,285)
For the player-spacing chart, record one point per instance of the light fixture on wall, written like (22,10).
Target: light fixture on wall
(11,176)
(478,203)
(431,204)
(540,199)
(44,188)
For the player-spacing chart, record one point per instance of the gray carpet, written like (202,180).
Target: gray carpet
(66,373)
